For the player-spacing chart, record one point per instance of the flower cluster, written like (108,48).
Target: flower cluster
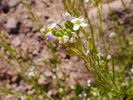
(88,92)
(67,35)
(31,72)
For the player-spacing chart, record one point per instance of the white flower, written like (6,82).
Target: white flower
(54,77)
(131,43)
(31,74)
(86,0)
(63,39)
(80,95)
(67,16)
(100,55)
(23,97)
(95,94)
(84,94)
(60,90)
(72,40)
(54,26)
(88,83)
(72,87)
(112,35)
(48,29)
(42,30)
(87,52)
(78,22)
(108,57)
(59,23)
(88,98)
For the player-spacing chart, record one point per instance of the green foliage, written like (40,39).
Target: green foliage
(110,84)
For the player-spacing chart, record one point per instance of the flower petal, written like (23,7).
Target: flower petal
(76,27)
(81,18)
(72,40)
(67,16)
(54,26)
(50,36)
(66,37)
(42,30)
(74,20)
(83,24)
(74,33)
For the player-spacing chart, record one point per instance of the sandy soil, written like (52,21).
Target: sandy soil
(20,33)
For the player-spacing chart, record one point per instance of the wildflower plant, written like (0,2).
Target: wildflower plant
(67,36)
(109,83)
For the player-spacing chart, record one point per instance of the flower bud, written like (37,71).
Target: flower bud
(113,35)
(50,36)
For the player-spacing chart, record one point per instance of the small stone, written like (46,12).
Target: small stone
(8,97)
(31,92)
(41,97)
(14,86)
(50,93)
(4,7)
(48,73)
(14,78)
(16,42)
(13,3)
(12,25)
(42,80)
(20,89)
(29,87)
(35,52)
(8,86)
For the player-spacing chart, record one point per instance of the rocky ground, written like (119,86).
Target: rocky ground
(20,33)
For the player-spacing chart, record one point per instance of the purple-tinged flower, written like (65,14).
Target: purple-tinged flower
(50,36)
(72,40)
(74,33)
(67,16)
(95,94)
(59,23)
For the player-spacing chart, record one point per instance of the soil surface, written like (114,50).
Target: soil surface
(21,33)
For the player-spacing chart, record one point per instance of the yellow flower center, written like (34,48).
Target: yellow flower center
(78,22)
(74,36)
(48,29)
(62,39)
